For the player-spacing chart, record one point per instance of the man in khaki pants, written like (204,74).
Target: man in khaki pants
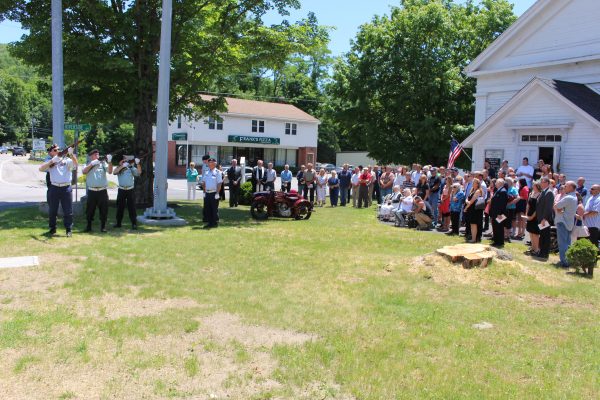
(354,182)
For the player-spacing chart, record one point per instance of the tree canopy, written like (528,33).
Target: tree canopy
(400,92)
(111,55)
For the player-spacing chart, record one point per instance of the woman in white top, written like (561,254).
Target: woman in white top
(390,204)
(321,187)
(405,208)
(399,179)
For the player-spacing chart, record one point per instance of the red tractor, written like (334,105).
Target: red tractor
(280,204)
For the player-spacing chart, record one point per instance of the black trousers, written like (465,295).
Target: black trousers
(376,194)
(545,242)
(234,194)
(270,186)
(286,186)
(306,192)
(594,235)
(126,198)
(211,205)
(455,219)
(60,196)
(467,219)
(97,199)
(498,232)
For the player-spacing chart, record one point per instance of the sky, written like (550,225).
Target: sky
(345,15)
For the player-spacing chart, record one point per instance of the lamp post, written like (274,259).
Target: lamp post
(58,100)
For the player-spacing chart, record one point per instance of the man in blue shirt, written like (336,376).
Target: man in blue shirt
(345,177)
(211,184)
(286,179)
(126,173)
(97,185)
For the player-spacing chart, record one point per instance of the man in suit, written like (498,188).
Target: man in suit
(258,177)
(544,214)
(498,209)
(234,176)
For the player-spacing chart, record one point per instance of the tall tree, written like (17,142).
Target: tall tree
(400,92)
(111,56)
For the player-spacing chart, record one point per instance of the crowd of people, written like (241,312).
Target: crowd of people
(501,204)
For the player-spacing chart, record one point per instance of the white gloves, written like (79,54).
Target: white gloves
(95,162)
(125,165)
(55,159)
(217,196)
(137,160)
(70,150)
(109,157)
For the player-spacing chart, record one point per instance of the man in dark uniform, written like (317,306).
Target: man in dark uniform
(211,184)
(234,176)
(544,213)
(498,209)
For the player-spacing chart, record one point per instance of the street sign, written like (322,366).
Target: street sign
(39,145)
(78,127)
(179,136)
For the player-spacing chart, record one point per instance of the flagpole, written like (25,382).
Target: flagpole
(464,152)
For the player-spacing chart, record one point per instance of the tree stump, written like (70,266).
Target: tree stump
(469,254)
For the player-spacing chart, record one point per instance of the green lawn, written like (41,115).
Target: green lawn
(339,306)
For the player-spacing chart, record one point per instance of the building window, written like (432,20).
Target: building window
(291,157)
(290,128)
(258,126)
(269,156)
(179,122)
(541,138)
(212,124)
(181,154)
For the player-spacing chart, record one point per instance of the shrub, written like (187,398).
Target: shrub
(246,193)
(582,255)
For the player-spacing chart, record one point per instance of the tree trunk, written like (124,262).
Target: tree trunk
(144,188)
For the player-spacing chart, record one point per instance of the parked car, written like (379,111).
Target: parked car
(3,150)
(18,151)
(340,168)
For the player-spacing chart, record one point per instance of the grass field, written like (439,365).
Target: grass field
(337,307)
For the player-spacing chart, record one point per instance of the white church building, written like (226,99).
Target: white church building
(538,91)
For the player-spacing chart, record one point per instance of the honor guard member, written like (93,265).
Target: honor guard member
(126,173)
(97,183)
(211,184)
(203,169)
(59,191)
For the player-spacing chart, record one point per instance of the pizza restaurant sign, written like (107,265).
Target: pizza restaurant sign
(253,139)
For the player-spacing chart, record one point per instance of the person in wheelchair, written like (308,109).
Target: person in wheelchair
(390,204)
(405,208)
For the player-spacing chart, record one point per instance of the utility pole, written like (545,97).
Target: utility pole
(58,101)
(32,138)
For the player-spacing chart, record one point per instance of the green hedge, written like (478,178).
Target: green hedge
(246,193)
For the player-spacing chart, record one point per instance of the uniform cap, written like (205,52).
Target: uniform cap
(95,151)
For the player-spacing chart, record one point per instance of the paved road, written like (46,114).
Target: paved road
(21,184)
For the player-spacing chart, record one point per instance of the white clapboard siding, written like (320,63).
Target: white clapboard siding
(496,100)
(564,29)
(580,145)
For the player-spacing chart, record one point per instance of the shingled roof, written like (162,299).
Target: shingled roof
(253,108)
(579,94)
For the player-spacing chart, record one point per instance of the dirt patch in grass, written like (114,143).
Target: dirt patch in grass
(222,358)
(225,327)
(535,300)
(442,271)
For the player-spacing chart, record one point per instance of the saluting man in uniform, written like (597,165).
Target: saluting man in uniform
(211,184)
(97,183)
(59,190)
(126,173)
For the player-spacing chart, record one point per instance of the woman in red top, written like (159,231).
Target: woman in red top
(445,205)
(521,208)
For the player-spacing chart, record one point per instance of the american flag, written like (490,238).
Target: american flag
(455,150)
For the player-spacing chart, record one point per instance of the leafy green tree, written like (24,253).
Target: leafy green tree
(111,56)
(401,92)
